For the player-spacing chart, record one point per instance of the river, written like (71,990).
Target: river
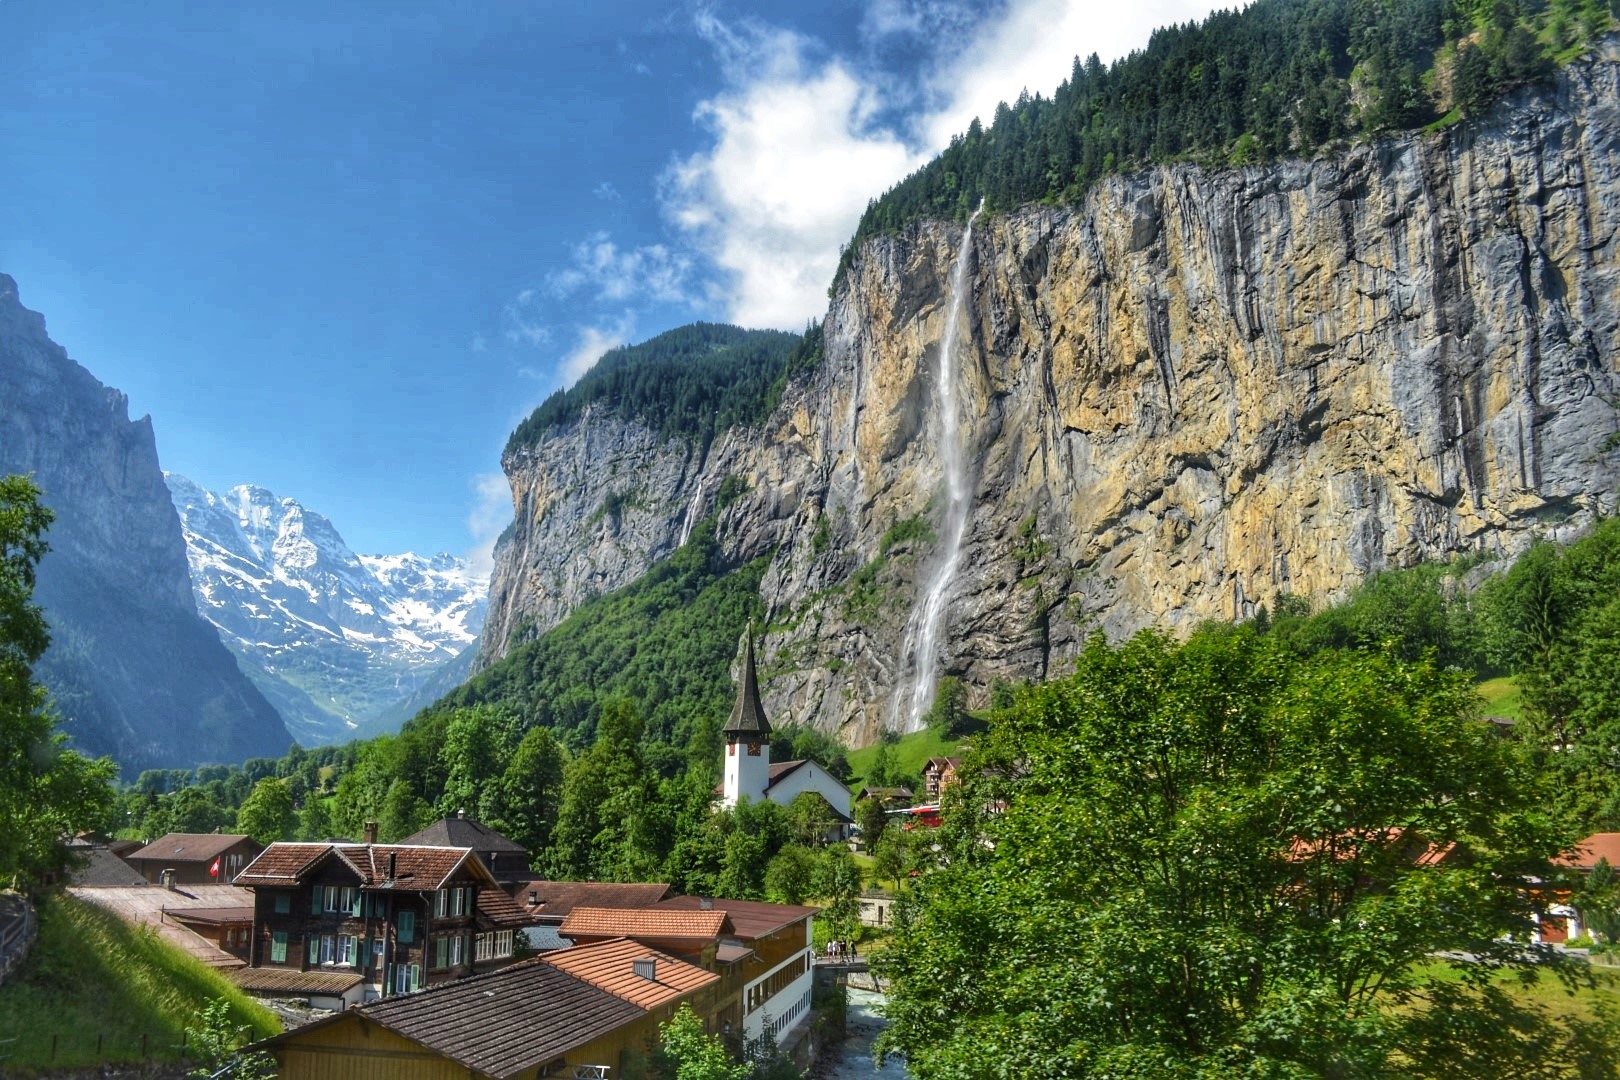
(863,1022)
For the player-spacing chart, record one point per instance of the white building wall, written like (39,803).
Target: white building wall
(812,777)
(746,774)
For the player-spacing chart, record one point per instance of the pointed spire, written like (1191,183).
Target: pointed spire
(748,715)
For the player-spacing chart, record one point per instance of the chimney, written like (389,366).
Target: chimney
(646,967)
(460,814)
(706,903)
(371,832)
(392,856)
(534,898)
(166,879)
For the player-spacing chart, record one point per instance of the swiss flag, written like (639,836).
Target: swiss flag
(213,871)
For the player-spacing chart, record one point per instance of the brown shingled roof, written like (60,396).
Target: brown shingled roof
(643,923)
(282,864)
(748,714)
(610,966)
(495,908)
(750,919)
(557,898)
(501,1024)
(181,847)
(274,980)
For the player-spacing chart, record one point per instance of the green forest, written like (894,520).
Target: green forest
(1277,77)
(690,382)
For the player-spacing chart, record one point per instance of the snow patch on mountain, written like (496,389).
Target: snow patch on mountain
(335,639)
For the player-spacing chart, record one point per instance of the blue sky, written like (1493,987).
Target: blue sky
(340,249)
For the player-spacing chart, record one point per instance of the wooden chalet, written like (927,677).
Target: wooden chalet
(591,1011)
(937,775)
(396,917)
(194,858)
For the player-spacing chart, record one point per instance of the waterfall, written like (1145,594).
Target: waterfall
(694,508)
(919,661)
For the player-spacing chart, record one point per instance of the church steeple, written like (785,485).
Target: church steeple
(748,738)
(748,715)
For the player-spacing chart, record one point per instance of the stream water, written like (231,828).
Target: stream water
(863,1023)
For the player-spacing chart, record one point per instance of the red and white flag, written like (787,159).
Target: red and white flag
(213,871)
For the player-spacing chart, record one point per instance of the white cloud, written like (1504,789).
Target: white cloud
(652,272)
(795,157)
(797,150)
(522,321)
(490,514)
(606,192)
(591,343)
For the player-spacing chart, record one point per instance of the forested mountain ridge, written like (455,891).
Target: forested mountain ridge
(1277,77)
(1193,391)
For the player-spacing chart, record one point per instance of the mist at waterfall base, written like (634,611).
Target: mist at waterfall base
(919,660)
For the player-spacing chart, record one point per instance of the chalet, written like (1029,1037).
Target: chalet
(890,798)
(748,770)
(762,952)
(547,904)
(383,918)
(1561,920)
(205,921)
(194,858)
(589,1012)
(506,860)
(937,775)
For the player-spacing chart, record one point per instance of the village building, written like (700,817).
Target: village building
(748,771)
(548,903)
(762,952)
(211,923)
(194,858)
(377,918)
(592,1011)
(1561,920)
(506,860)
(937,775)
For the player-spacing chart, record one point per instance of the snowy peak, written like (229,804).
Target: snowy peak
(349,633)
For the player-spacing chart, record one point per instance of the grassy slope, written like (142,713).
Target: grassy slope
(911,753)
(1501,697)
(91,977)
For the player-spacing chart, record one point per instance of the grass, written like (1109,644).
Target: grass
(1501,697)
(911,753)
(95,987)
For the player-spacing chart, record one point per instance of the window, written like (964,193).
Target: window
(458,949)
(441,903)
(492,946)
(406,978)
(459,900)
(345,949)
(278,947)
(283,903)
(328,949)
(407,926)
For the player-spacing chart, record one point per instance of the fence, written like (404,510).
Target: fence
(17,930)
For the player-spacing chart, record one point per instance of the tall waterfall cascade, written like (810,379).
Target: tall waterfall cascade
(919,655)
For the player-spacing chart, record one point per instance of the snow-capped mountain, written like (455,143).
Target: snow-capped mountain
(334,639)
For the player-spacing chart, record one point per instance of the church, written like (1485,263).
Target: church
(749,772)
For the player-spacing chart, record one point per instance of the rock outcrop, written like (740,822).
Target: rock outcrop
(1193,392)
(132,670)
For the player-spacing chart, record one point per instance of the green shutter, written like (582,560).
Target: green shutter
(315,900)
(407,926)
(314,948)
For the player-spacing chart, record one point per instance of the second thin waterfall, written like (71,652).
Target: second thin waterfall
(919,660)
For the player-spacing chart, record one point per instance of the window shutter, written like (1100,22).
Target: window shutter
(315,900)
(314,949)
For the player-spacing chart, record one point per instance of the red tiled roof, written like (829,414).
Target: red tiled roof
(1419,851)
(503,1024)
(558,898)
(653,922)
(750,919)
(1585,855)
(282,864)
(610,966)
(183,847)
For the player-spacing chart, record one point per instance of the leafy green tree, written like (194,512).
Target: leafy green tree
(837,884)
(47,792)
(604,825)
(891,859)
(216,1042)
(193,810)
(873,820)
(471,757)
(268,814)
(403,812)
(789,877)
(315,820)
(948,714)
(811,818)
(1208,864)
(1599,903)
(530,790)
(687,1052)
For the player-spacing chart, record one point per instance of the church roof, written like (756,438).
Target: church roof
(748,715)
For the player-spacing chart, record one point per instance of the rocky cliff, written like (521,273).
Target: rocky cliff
(1192,392)
(132,670)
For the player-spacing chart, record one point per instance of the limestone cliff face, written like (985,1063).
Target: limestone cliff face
(1193,392)
(132,670)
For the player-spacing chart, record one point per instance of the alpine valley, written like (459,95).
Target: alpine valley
(337,641)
